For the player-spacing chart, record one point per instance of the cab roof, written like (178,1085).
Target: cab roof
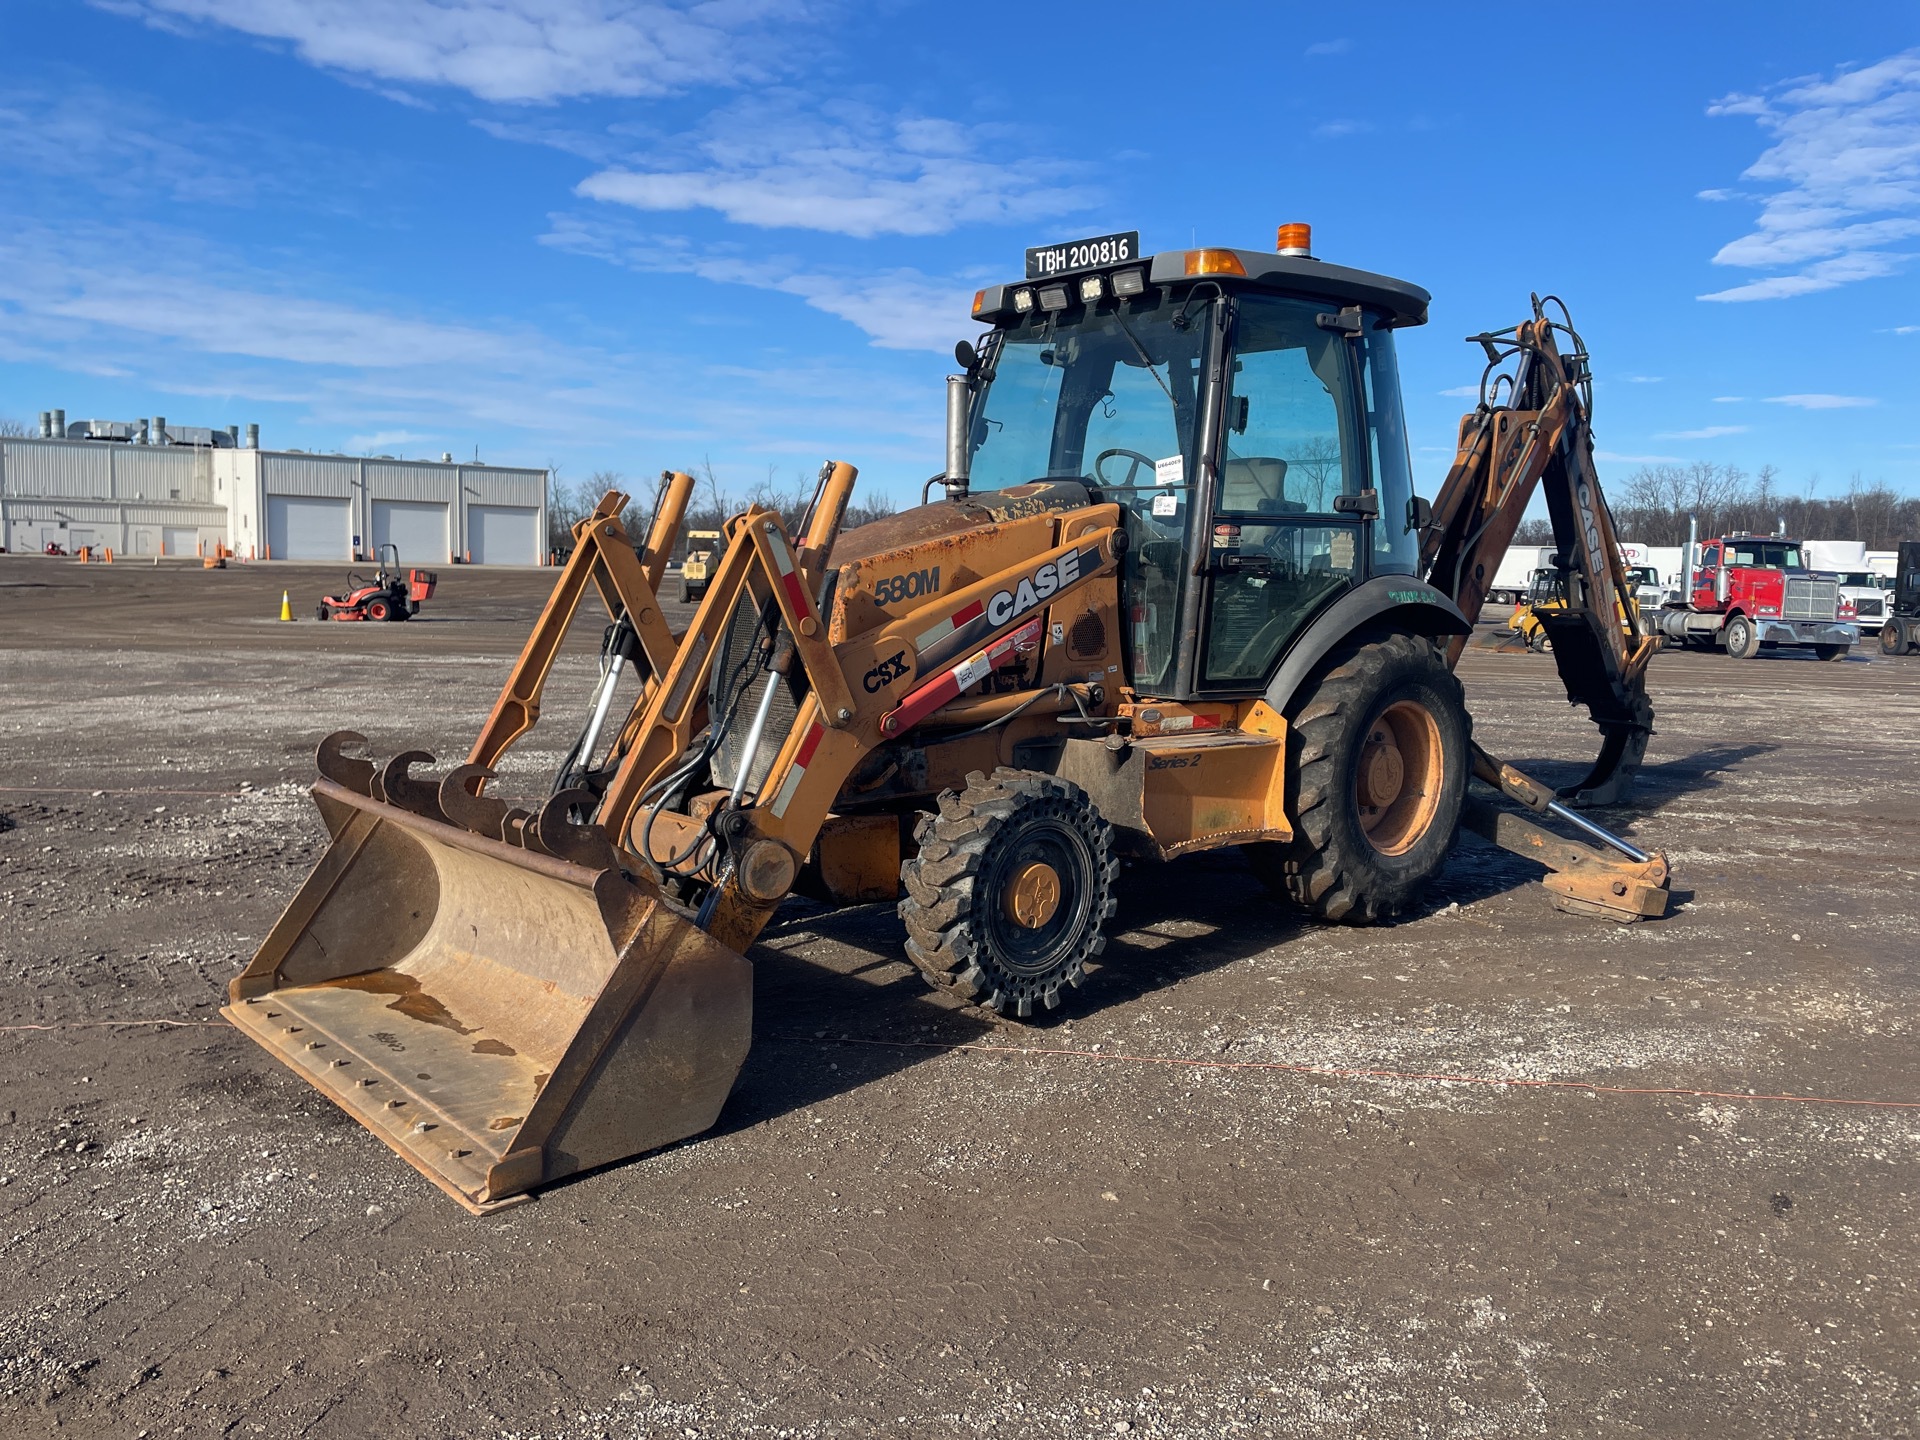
(1289,274)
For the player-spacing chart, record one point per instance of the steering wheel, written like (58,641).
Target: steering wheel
(1133,470)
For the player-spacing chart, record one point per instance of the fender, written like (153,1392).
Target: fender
(1415,606)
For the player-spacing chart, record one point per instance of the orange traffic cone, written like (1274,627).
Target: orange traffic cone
(286,607)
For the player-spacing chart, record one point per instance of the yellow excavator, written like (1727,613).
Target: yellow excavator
(1177,594)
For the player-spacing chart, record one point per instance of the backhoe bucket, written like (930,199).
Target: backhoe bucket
(501,1017)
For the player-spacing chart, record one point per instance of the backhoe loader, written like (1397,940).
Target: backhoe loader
(1177,594)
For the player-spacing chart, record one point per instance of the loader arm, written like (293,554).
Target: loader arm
(627,582)
(1541,438)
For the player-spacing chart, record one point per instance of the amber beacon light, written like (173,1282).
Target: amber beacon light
(1296,239)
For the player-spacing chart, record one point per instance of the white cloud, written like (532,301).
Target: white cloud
(516,50)
(1462,392)
(1330,47)
(1341,129)
(1823,402)
(1705,432)
(179,316)
(1905,330)
(776,161)
(1636,459)
(1729,399)
(900,309)
(1846,161)
(1644,379)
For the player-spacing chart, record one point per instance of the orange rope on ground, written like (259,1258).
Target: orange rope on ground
(1342,1073)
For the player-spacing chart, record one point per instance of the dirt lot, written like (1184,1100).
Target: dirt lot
(891,1235)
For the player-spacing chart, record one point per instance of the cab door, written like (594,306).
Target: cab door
(1291,507)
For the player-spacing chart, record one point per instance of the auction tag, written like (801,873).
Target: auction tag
(1170,471)
(1168,504)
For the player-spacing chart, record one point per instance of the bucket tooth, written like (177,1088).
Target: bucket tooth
(522,1016)
(463,804)
(342,769)
(559,836)
(395,786)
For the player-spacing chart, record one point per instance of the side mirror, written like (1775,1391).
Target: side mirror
(1419,513)
(1366,504)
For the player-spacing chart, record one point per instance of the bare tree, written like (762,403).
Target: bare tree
(1316,464)
(1653,505)
(12,429)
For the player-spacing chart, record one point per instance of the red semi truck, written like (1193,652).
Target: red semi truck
(1753,592)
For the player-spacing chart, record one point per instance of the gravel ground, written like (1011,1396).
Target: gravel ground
(911,1222)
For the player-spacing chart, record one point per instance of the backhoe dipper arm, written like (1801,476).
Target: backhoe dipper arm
(1542,437)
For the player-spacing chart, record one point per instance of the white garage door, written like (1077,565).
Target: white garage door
(504,534)
(178,540)
(417,527)
(306,527)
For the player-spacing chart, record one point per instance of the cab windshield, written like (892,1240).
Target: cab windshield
(1764,554)
(1101,398)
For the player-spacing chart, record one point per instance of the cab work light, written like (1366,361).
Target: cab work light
(1053,298)
(1130,282)
(1214,262)
(1023,300)
(1091,288)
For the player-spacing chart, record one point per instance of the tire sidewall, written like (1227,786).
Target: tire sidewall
(1398,879)
(1742,638)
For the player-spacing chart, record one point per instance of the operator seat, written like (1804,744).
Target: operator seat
(1257,485)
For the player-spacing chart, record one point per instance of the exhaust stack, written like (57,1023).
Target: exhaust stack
(959,460)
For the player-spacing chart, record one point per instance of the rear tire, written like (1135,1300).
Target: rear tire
(686,593)
(1742,638)
(1380,753)
(1893,638)
(324,612)
(1010,891)
(379,610)
(1831,652)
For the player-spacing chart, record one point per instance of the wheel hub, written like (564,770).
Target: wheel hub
(1033,894)
(1382,770)
(1397,782)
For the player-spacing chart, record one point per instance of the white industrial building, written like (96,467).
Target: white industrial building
(102,484)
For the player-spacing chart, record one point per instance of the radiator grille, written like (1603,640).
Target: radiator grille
(1869,605)
(1811,599)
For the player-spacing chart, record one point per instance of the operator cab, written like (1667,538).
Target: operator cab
(1244,411)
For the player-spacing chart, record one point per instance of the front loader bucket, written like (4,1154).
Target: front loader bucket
(499,1016)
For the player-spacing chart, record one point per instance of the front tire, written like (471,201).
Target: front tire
(1831,652)
(1742,637)
(1010,891)
(1380,753)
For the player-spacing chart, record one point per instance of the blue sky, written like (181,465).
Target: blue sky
(632,235)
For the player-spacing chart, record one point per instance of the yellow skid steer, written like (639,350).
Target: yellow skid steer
(1178,595)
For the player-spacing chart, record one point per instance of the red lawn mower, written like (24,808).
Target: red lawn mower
(388,596)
